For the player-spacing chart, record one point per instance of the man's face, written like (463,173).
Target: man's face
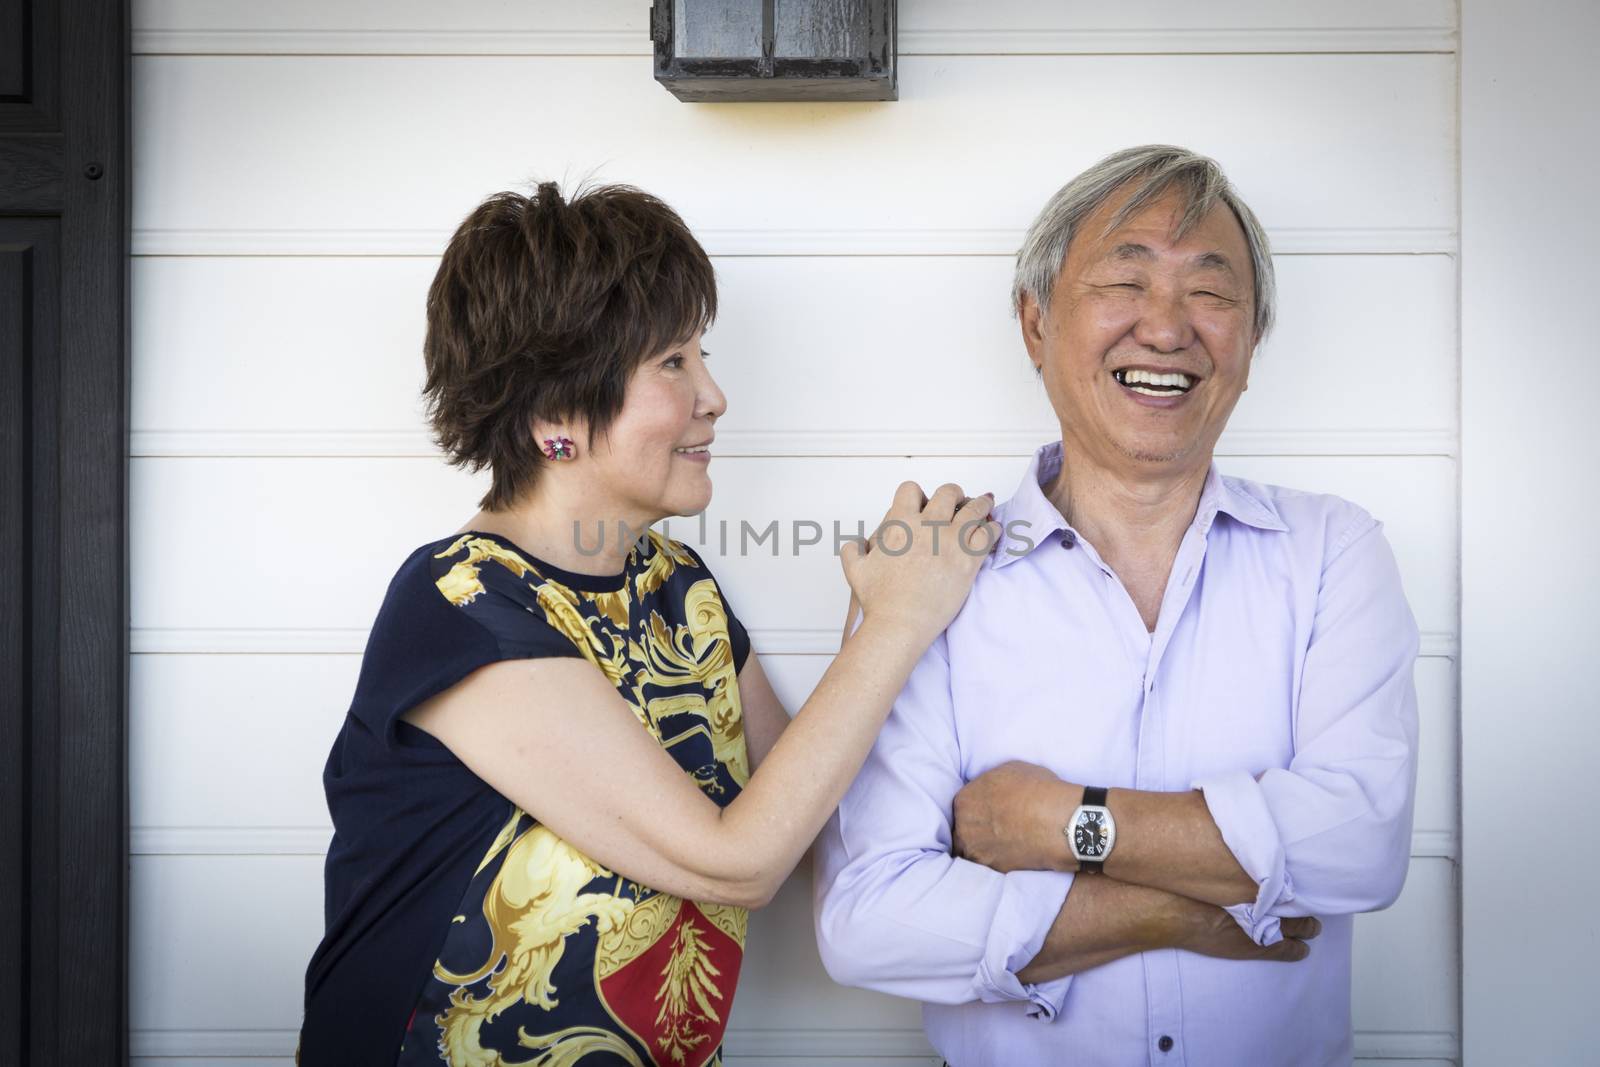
(1134,304)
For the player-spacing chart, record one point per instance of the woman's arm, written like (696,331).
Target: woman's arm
(556,738)
(764,714)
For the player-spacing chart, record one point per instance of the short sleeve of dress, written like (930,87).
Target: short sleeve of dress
(738,637)
(451,608)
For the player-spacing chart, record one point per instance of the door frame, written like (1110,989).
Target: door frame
(64,604)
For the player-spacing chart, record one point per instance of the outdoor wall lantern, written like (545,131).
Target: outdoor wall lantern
(734,50)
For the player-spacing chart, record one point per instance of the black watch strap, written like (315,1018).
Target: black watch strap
(1093,796)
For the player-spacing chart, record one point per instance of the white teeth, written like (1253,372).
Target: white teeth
(1144,377)
(1148,392)
(691,450)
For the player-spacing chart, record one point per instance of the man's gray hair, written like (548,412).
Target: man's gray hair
(1149,172)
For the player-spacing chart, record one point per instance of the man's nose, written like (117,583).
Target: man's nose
(1164,323)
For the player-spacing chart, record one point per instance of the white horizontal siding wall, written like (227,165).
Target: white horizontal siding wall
(299,167)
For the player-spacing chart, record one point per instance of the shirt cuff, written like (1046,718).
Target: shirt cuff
(1240,812)
(1029,904)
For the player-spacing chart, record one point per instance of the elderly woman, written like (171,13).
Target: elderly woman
(564,777)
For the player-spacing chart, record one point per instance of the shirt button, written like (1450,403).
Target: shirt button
(1068,539)
(1165,1044)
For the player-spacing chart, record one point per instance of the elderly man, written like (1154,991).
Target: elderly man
(1210,681)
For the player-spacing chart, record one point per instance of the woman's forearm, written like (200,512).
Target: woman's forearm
(908,596)
(801,781)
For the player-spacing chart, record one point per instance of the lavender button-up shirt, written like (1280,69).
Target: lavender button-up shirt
(1278,681)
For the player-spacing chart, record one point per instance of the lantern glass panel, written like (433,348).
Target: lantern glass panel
(717,29)
(833,29)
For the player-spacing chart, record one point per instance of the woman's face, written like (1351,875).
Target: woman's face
(670,406)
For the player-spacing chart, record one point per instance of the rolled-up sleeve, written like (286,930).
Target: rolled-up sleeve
(895,911)
(1331,833)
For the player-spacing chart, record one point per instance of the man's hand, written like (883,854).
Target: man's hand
(1012,818)
(1104,920)
(1210,931)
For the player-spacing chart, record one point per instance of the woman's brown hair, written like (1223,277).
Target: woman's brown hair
(541,309)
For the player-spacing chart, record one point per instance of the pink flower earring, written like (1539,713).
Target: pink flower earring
(558,447)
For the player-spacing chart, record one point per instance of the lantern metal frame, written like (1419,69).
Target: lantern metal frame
(769,77)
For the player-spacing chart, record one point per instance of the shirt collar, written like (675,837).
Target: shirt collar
(1233,498)
(1041,518)
(1029,511)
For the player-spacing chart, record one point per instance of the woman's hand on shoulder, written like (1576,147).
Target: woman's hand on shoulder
(916,569)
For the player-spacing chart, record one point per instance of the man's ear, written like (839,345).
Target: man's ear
(1031,319)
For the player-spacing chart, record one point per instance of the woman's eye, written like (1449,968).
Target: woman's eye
(675,359)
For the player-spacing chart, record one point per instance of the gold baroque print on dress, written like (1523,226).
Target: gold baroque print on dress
(665,558)
(644,925)
(566,1048)
(614,606)
(534,904)
(560,605)
(461,584)
(598,645)
(729,918)
(701,652)
(688,985)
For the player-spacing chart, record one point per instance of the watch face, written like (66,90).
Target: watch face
(1089,835)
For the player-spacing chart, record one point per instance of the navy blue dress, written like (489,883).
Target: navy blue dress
(460,930)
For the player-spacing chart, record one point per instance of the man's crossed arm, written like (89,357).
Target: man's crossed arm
(1166,882)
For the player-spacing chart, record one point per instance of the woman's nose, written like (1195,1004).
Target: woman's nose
(712,402)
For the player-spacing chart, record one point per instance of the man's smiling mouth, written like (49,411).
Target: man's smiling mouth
(1151,383)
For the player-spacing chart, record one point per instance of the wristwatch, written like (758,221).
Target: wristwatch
(1091,832)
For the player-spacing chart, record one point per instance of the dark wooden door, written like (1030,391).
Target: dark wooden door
(64,244)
